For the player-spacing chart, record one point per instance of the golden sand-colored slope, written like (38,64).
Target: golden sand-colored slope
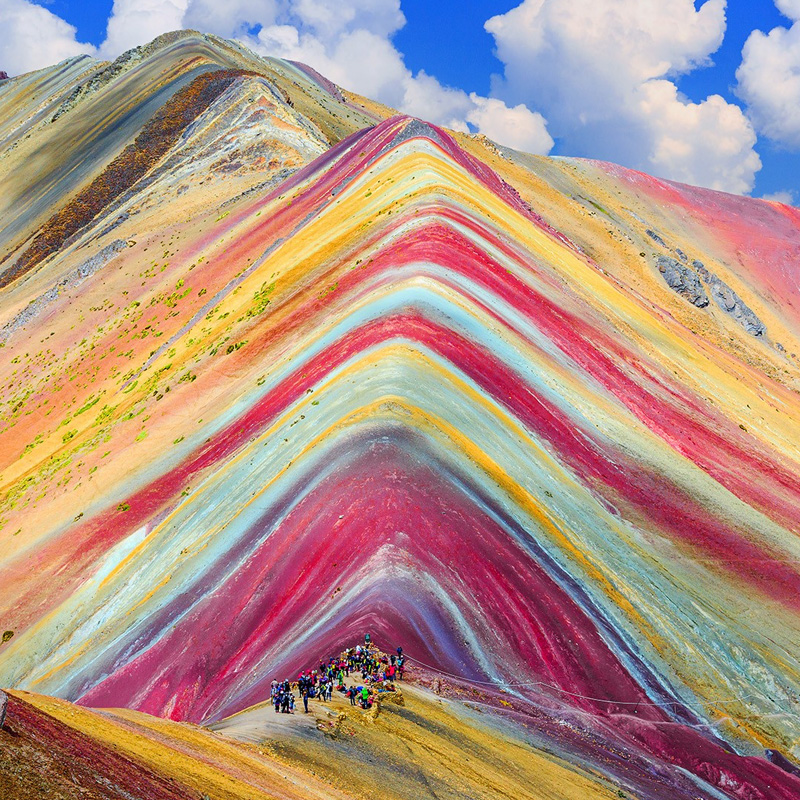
(429,747)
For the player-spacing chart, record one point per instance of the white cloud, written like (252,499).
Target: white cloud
(708,143)
(789,8)
(517,127)
(359,60)
(326,20)
(787,198)
(600,71)
(135,22)
(33,38)
(423,96)
(330,18)
(769,80)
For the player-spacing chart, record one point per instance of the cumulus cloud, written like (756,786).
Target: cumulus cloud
(134,22)
(517,127)
(789,8)
(787,198)
(709,143)
(769,78)
(602,72)
(33,38)
(348,42)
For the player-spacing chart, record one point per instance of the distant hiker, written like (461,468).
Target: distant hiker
(305,699)
(275,696)
(364,697)
(367,640)
(3,708)
(351,693)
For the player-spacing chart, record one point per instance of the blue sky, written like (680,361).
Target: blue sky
(535,102)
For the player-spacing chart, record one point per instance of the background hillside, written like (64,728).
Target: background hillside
(279,366)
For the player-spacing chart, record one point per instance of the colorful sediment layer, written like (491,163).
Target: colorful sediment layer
(315,372)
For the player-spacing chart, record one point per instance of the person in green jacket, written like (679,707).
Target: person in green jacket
(364,697)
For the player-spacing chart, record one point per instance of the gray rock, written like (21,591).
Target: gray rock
(733,305)
(683,280)
(688,282)
(655,237)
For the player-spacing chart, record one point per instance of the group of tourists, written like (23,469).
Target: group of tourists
(377,673)
(282,697)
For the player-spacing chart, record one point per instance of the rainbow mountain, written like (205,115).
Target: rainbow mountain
(280,366)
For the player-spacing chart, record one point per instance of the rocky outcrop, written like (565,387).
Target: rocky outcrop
(683,279)
(695,282)
(730,302)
